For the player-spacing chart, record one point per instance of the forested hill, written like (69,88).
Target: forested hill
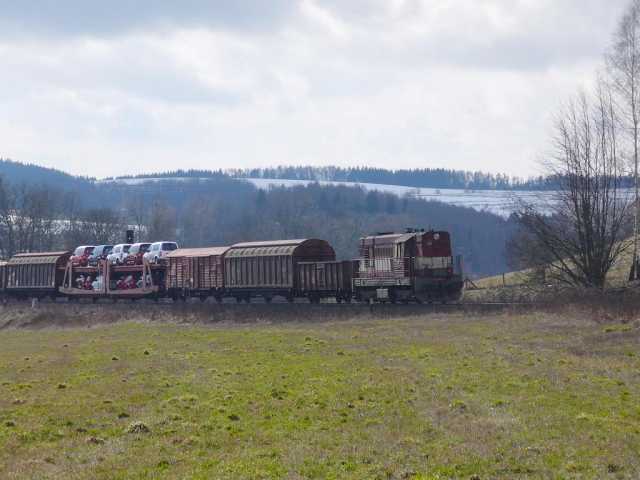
(27,173)
(215,209)
(419,178)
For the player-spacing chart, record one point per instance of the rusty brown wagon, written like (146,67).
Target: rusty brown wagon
(35,274)
(319,280)
(196,272)
(269,269)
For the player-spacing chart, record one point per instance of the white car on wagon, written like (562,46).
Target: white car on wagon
(159,250)
(118,254)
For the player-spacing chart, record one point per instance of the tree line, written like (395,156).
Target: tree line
(419,177)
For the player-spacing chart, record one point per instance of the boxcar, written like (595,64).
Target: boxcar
(196,272)
(35,274)
(269,269)
(326,279)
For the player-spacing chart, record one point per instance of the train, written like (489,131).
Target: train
(414,266)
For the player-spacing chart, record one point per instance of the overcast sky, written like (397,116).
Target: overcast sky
(121,87)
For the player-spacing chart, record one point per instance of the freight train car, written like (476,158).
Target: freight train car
(35,275)
(196,272)
(269,269)
(319,280)
(416,265)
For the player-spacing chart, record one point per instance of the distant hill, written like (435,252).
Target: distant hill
(416,178)
(203,208)
(18,173)
(191,173)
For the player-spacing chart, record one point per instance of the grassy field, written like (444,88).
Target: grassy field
(428,397)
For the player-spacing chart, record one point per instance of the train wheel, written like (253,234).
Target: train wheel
(338,299)
(218,299)
(238,299)
(268,299)
(203,298)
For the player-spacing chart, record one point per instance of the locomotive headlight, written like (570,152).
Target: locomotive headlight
(436,236)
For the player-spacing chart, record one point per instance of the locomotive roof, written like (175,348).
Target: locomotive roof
(198,252)
(388,238)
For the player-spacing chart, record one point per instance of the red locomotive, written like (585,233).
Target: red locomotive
(415,265)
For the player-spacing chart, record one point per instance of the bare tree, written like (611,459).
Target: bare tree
(138,213)
(162,222)
(624,68)
(73,233)
(7,219)
(582,232)
(28,218)
(102,226)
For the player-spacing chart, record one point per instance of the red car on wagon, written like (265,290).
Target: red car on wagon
(136,252)
(80,257)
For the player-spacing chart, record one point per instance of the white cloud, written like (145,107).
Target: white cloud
(469,84)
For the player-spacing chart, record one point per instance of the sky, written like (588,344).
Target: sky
(130,86)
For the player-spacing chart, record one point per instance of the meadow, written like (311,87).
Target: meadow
(501,395)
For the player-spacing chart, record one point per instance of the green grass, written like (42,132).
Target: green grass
(531,396)
(618,275)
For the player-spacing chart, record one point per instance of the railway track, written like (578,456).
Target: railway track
(60,314)
(258,303)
